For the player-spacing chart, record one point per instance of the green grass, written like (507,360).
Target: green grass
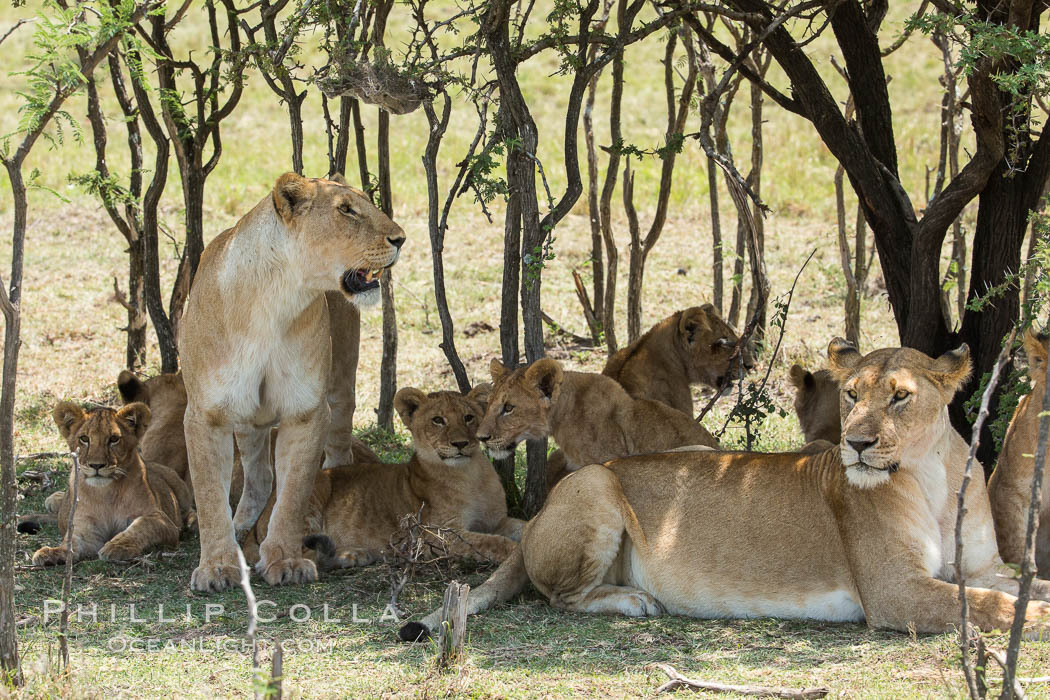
(73,348)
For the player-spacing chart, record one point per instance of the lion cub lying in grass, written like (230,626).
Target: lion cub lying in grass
(358,508)
(123,508)
(592,418)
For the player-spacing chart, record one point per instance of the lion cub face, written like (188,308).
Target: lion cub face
(519,405)
(709,343)
(344,240)
(1036,347)
(817,404)
(890,399)
(104,440)
(444,424)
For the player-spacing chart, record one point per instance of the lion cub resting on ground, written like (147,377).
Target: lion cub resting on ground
(864,531)
(1010,487)
(123,508)
(359,508)
(592,417)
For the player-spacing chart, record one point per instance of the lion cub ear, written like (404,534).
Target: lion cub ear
(68,416)
(546,376)
(953,368)
(497,370)
(337,178)
(290,192)
(1035,347)
(132,388)
(480,394)
(406,402)
(801,377)
(695,319)
(138,414)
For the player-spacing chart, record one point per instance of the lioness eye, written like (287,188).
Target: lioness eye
(438,420)
(507,409)
(901,395)
(84,439)
(468,418)
(345,208)
(852,394)
(114,439)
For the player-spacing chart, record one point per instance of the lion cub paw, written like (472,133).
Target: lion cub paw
(209,578)
(1037,622)
(640,604)
(50,556)
(119,549)
(287,571)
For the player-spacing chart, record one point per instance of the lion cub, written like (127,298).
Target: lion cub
(359,508)
(817,404)
(123,508)
(592,418)
(1010,488)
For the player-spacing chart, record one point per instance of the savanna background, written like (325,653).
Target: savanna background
(73,347)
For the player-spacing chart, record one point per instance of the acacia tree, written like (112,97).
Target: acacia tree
(1004,55)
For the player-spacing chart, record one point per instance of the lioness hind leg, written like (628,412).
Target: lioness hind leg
(300,441)
(254,445)
(572,547)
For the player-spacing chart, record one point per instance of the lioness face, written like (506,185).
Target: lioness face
(519,405)
(444,424)
(709,343)
(104,440)
(345,241)
(894,406)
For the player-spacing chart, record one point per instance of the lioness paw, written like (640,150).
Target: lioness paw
(212,579)
(50,556)
(640,604)
(119,549)
(287,571)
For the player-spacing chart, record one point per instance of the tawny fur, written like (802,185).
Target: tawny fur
(1010,487)
(360,507)
(860,532)
(123,508)
(817,404)
(256,350)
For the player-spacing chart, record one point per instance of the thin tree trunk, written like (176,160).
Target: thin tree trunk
(716,238)
(388,368)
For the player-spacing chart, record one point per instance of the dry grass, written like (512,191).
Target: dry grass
(73,348)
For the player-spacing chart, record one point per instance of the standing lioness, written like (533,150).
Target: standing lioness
(256,352)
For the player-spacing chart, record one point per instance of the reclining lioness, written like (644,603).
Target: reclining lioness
(359,508)
(864,531)
(256,350)
(591,416)
(1010,487)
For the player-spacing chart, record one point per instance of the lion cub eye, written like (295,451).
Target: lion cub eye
(438,420)
(851,394)
(720,343)
(114,439)
(468,418)
(507,409)
(901,395)
(345,208)
(84,439)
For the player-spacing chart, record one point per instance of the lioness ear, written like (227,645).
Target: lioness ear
(801,377)
(1035,347)
(694,319)
(67,416)
(481,394)
(132,388)
(953,368)
(337,178)
(406,402)
(545,375)
(842,357)
(289,193)
(497,370)
(138,414)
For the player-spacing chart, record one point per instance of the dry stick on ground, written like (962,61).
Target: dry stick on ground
(1016,690)
(452,635)
(679,681)
(1028,568)
(253,621)
(67,579)
(982,415)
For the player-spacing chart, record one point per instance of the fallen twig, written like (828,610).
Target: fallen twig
(39,455)
(67,579)
(679,681)
(253,621)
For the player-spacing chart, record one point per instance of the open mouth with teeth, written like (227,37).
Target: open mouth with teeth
(360,281)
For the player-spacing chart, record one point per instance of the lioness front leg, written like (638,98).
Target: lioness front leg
(143,533)
(300,441)
(254,444)
(210,451)
(480,546)
(345,325)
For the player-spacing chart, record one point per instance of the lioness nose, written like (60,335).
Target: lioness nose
(460,443)
(861,445)
(396,242)
(97,466)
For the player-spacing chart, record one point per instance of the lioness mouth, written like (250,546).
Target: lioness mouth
(892,469)
(360,281)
